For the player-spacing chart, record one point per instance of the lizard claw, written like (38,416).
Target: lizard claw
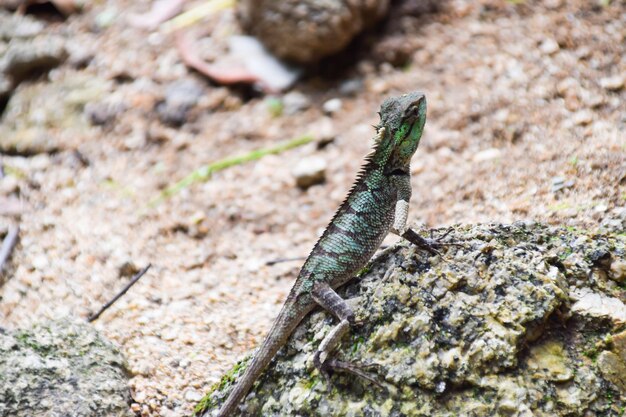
(357,369)
(431,245)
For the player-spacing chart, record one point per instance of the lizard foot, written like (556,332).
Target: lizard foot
(431,245)
(354,368)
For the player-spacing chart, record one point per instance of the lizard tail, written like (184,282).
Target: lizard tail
(281,329)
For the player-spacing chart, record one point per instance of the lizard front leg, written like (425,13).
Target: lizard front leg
(328,299)
(399,227)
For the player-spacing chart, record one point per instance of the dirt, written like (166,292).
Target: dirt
(526,121)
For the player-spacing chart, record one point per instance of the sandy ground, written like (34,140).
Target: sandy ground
(527,120)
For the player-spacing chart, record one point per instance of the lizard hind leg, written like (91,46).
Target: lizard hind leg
(326,297)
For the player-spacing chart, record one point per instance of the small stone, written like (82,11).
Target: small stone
(192,395)
(583,117)
(310,171)
(40,262)
(567,85)
(617,271)
(612,369)
(351,87)
(180,97)
(549,46)
(104,112)
(487,155)
(619,345)
(548,360)
(559,183)
(8,185)
(295,102)
(23,58)
(324,131)
(615,83)
(332,106)
(592,304)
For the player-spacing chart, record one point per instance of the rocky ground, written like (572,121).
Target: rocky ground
(522,320)
(526,121)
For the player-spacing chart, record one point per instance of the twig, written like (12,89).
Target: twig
(196,14)
(10,240)
(204,173)
(132,282)
(281,260)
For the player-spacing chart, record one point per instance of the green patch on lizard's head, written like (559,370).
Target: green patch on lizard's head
(401,125)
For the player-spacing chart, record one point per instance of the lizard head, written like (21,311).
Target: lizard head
(401,125)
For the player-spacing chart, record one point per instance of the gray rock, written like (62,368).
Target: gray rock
(180,97)
(486,332)
(61,368)
(332,106)
(295,102)
(310,171)
(14,26)
(351,87)
(22,58)
(560,183)
(45,117)
(306,31)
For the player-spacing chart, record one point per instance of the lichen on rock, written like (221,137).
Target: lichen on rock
(61,368)
(487,329)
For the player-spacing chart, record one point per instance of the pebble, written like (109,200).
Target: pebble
(615,83)
(351,87)
(487,155)
(559,183)
(22,58)
(180,97)
(324,130)
(567,85)
(583,117)
(193,396)
(310,171)
(549,46)
(104,112)
(617,271)
(8,185)
(332,106)
(295,102)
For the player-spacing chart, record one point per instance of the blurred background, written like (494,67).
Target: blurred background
(210,138)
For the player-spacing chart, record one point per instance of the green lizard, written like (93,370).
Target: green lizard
(376,205)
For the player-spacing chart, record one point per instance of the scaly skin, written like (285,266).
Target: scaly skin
(376,205)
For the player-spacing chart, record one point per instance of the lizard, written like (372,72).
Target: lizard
(377,203)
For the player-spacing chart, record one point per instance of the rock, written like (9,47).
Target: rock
(549,360)
(485,333)
(295,102)
(46,117)
(61,368)
(615,83)
(549,46)
(593,304)
(332,106)
(618,271)
(101,113)
(40,54)
(180,97)
(351,88)
(619,345)
(583,117)
(487,155)
(310,171)
(559,183)
(306,31)
(15,26)
(613,369)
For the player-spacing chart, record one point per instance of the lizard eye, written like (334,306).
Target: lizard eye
(412,112)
